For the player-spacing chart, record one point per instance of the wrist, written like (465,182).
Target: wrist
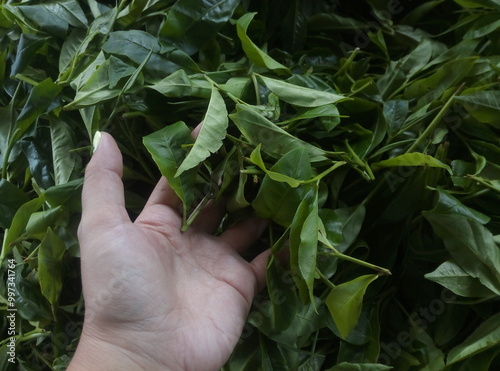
(99,353)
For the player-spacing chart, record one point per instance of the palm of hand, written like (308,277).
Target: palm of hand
(182,297)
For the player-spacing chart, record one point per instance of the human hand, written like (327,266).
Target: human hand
(157,298)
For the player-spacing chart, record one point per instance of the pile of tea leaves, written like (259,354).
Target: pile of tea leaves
(367,132)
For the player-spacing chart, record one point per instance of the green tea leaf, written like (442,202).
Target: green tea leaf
(275,141)
(346,366)
(136,45)
(245,358)
(277,357)
(135,76)
(38,153)
(70,49)
(485,337)
(41,96)
(133,11)
(256,158)
(62,144)
(96,89)
(395,112)
(212,132)
(455,279)
(479,3)
(399,72)
(411,159)
(309,318)
(26,50)
(300,96)
(8,114)
(324,21)
(11,201)
(83,77)
(50,255)
(314,362)
(449,75)
(67,194)
(277,200)
(481,361)
(318,91)
(179,84)
(415,15)
(304,244)
(282,294)
(56,16)
(79,44)
(30,303)
(294,27)
(253,52)
(471,245)
(119,70)
(191,24)
(18,225)
(486,25)
(236,86)
(328,110)
(342,225)
(165,146)
(447,204)
(40,221)
(345,301)
(484,106)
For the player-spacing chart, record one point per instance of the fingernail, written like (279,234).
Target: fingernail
(96,140)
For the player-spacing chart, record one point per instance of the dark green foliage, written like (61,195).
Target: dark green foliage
(366,131)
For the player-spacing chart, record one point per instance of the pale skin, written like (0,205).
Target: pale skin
(157,298)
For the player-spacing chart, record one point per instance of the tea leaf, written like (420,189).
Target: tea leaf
(304,244)
(136,45)
(56,17)
(471,245)
(27,49)
(395,112)
(345,366)
(166,148)
(40,98)
(411,159)
(179,84)
(64,160)
(51,252)
(345,301)
(483,105)
(40,221)
(277,200)
(275,141)
(11,201)
(486,336)
(299,95)
(212,132)
(191,24)
(252,51)
(256,158)
(19,222)
(318,94)
(455,279)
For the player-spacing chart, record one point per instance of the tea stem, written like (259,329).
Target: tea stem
(334,252)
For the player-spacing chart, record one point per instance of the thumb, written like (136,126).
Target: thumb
(103,202)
